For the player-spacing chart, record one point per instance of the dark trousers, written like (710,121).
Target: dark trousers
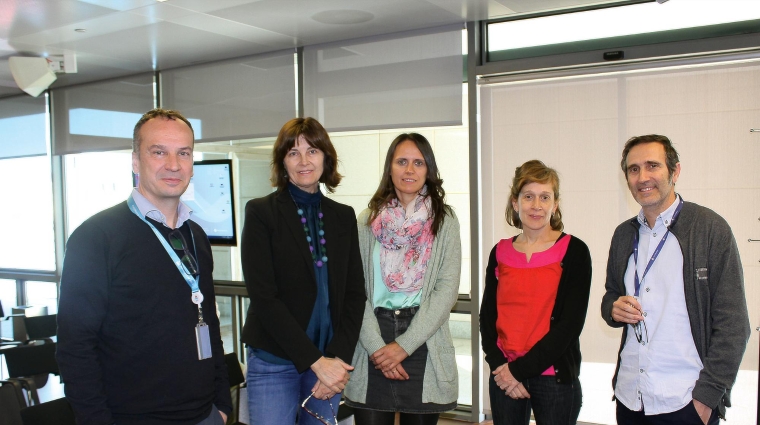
(686,416)
(213,419)
(552,403)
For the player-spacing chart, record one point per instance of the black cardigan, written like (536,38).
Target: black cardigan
(560,347)
(279,274)
(126,326)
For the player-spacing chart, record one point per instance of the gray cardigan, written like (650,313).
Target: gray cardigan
(714,290)
(431,323)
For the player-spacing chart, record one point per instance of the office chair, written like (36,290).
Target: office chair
(41,328)
(56,412)
(237,380)
(6,341)
(11,403)
(31,365)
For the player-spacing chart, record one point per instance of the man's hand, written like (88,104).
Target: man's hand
(389,357)
(224,417)
(504,379)
(703,411)
(332,374)
(398,373)
(627,310)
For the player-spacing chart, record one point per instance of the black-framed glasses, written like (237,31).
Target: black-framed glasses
(317,416)
(641,332)
(177,242)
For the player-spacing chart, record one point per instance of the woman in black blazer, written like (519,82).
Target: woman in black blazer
(304,276)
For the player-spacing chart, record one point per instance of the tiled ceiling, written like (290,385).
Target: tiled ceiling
(123,37)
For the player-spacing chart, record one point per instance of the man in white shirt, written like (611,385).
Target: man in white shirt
(675,285)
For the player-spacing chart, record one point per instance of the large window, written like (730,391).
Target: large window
(637,28)
(26,218)
(42,294)
(94,182)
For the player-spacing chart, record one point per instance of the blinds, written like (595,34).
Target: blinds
(22,126)
(235,99)
(99,116)
(411,79)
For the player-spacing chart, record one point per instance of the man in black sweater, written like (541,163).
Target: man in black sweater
(129,312)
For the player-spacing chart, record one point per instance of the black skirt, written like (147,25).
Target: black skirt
(390,395)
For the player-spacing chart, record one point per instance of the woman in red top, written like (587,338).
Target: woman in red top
(534,307)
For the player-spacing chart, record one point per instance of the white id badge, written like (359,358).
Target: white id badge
(203,341)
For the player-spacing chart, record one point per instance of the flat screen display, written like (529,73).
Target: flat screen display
(210,197)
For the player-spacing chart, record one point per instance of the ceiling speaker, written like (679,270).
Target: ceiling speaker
(32,75)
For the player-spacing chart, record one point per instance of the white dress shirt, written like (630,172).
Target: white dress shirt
(660,375)
(150,211)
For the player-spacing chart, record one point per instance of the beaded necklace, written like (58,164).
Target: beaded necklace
(318,250)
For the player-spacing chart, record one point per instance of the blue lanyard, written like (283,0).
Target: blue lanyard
(636,282)
(197,296)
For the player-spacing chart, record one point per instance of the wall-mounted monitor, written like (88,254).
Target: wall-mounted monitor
(212,201)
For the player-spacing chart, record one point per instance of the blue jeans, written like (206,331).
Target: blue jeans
(275,394)
(552,403)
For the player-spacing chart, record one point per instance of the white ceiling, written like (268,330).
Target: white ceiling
(124,37)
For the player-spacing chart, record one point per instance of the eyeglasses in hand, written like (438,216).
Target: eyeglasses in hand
(178,243)
(641,332)
(317,416)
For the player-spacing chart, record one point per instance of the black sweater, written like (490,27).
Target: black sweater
(560,347)
(126,326)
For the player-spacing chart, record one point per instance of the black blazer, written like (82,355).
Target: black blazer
(279,274)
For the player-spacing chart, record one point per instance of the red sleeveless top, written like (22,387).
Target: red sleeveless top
(525,295)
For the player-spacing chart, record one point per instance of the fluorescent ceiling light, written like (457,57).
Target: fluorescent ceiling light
(619,21)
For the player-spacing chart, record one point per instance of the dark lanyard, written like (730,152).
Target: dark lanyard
(636,281)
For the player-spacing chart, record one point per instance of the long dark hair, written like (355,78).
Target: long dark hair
(387,192)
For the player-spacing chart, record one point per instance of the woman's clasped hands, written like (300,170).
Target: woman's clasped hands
(388,360)
(332,377)
(511,386)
